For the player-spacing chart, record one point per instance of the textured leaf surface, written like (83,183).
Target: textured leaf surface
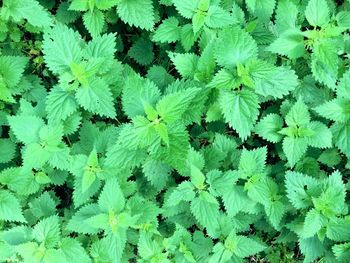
(61,47)
(137,13)
(240,110)
(10,209)
(234,46)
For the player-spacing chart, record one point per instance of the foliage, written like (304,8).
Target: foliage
(174,131)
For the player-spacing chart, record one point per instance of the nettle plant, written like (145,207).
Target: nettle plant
(174,131)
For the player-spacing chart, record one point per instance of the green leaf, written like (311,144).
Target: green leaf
(115,244)
(171,107)
(11,69)
(83,215)
(35,156)
(252,162)
(156,172)
(234,46)
(188,37)
(290,43)
(322,137)
(142,51)
(197,177)
(61,47)
(60,104)
(103,46)
(145,132)
(317,12)
(300,189)
(240,110)
(27,250)
(106,4)
(270,80)
(330,157)
(91,171)
(286,15)
(275,211)
(19,181)
(74,251)
(337,229)
(19,125)
(223,79)
(325,63)
(162,131)
(236,200)
(137,94)
(96,97)
(198,21)
(247,247)
(343,90)
(205,209)
(269,126)
(54,256)
(341,137)
(294,149)
(219,182)
(184,191)
(79,5)
(186,8)
(342,18)
(30,10)
(312,248)
(94,22)
(336,110)
(47,231)
(331,202)
(221,254)
(148,247)
(342,251)
(262,9)
(217,17)
(137,13)
(7,150)
(79,196)
(59,157)
(298,115)
(168,31)
(312,224)
(185,64)
(43,206)
(17,235)
(111,197)
(10,209)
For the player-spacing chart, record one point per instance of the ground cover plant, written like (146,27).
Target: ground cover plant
(174,131)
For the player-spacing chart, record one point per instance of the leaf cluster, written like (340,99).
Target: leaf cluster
(182,131)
